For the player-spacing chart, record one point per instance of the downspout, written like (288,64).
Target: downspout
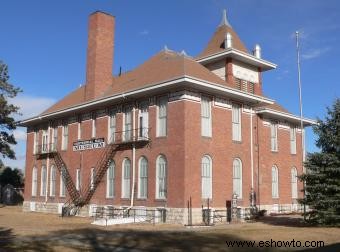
(251,149)
(133,158)
(47,163)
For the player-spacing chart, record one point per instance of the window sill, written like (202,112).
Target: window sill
(274,151)
(125,198)
(161,137)
(207,137)
(142,199)
(237,141)
(110,197)
(160,200)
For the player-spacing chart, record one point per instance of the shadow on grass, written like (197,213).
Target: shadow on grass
(129,240)
(285,220)
(6,238)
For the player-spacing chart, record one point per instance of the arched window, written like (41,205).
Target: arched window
(110,180)
(53,177)
(294,183)
(143,178)
(43,181)
(126,171)
(237,178)
(275,182)
(34,181)
(161,174)
(206,173)
(62,189)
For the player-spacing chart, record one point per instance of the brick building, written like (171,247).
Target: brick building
(174,128)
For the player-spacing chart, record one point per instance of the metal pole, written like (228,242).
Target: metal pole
(301,118)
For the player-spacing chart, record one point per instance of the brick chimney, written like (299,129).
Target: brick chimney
(99,54)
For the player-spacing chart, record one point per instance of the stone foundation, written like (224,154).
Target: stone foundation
(173,215)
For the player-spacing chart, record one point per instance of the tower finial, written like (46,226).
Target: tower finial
(224,20)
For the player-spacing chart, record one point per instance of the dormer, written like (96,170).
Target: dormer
(227,57)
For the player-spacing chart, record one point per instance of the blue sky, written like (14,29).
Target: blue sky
(44,44)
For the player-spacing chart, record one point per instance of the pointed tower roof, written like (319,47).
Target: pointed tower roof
(216,43)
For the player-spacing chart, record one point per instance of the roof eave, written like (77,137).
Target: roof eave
(179,82)
(286,116)
(238,55)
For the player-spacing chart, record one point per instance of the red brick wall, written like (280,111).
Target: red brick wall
(183,148)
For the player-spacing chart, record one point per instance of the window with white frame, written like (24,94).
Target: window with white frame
(55,138)
(127,127)
(94,125)
(206,173)
(34,181)
(294,181)
(93,175)
(162,116)
(53,178)
(62,189)
(43,181)
(161,177)
(44,142)
(64,140)
(273,136)
(275,182)
(237,177)
(36,142)
(143,120)
(143,178)
(112,127)
(126,172)
(236,122)
(78,179)
(206,117)
(79,129)
(110,180)
(292,140)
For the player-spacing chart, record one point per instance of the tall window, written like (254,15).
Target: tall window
(34,181)
(44,143)
(112,127)
(93,175)
(236,122)
(55,138)
(206,117)
(126,178)
(275,182)
(43,181)
(79,129)
(127,124)
(273,136)
(94,124)
(143,178)
(62,189)
(294,183)
(162,116)
(36,142)
(293,140)
(143,121)
(206,170)
(161,174)
(78,180)
(64,140)
(110,180)
(53,177)
(237,178)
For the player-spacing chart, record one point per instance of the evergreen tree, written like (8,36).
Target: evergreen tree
(322,178)
(7,122)
(13,177)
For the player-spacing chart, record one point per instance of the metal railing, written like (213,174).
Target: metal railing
(45,148)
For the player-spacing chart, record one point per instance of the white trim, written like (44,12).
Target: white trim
(286,116)
(187,79)
(239,55)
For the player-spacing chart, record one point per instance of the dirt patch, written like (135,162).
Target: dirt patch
(46,232)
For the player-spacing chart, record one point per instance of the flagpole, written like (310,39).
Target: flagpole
(301,118)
